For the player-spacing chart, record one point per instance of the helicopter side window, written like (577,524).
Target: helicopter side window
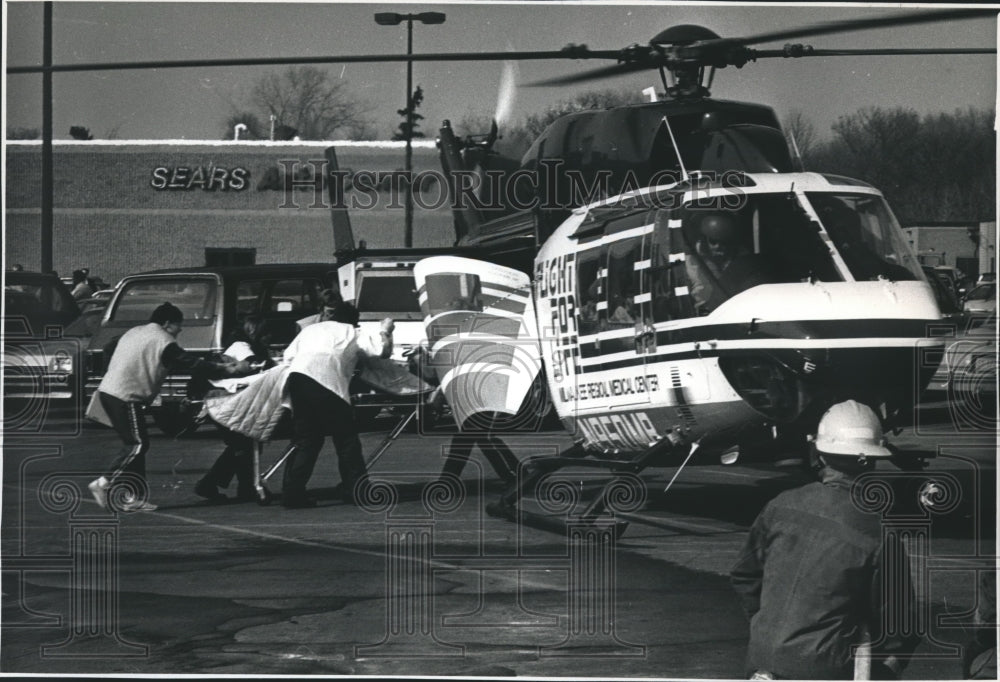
(669,288)
(590,283)
(623,282)
(866,235)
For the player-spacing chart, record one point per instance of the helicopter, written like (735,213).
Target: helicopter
(617,311)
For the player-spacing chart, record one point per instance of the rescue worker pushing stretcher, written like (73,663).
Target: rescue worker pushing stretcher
(314,380)
(321,361)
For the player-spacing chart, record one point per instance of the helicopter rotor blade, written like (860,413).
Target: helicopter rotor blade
(847,25)
(569,52)
(635,58)
(795,51)
(593,74)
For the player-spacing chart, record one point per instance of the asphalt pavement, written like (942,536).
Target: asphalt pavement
(421,580)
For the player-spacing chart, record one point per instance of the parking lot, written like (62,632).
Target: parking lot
(421,580)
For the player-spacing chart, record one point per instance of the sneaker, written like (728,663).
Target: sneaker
(138,506)
(99,489)
(208,490)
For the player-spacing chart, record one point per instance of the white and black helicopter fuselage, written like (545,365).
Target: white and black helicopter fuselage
(653,336)
(642,337)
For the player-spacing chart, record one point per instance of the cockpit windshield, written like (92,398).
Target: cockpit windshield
(866,235)
(703,252)
(765,239)
(733,243)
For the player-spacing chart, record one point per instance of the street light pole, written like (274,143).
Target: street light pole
(408,230)
(394,19)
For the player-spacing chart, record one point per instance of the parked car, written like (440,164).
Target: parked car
(944,292)
(981,299)
(40,362)
(974,371)
(86,325)
(99,300)
(968,372)
(958,279)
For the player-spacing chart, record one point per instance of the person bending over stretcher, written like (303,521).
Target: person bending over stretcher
(322,360)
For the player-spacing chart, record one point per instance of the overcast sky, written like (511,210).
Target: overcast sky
(194,103)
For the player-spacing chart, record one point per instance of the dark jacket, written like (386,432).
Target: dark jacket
(810,579)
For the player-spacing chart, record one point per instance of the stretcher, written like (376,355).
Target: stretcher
(259,409)
(264,496)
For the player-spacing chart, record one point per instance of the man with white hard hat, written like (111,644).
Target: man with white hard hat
(811,574)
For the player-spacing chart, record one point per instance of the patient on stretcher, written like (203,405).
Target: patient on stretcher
(248,348)
(255,408)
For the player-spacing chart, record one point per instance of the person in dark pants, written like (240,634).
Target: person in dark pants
(503,461)
(812,575)
(248,350)
(322,360)
(136,371)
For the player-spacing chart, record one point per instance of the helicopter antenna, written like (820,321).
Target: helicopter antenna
(677,151)
(795,148)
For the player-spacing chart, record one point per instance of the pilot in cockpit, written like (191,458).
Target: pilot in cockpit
(724,263)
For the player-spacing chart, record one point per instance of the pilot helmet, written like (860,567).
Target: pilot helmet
(722,232)
(720,227)
(849,437)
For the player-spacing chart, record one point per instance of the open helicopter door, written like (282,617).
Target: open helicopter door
(483,336)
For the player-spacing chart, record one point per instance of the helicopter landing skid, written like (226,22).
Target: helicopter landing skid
(535,468)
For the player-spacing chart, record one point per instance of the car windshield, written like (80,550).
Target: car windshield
(984,292)
(866,235)
(41,302)
(138,298)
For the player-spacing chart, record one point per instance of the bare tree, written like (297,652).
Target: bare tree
(306,99)
(931,167)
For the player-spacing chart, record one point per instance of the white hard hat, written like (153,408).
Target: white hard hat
(851,428)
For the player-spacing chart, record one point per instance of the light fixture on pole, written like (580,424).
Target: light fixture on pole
(394,19)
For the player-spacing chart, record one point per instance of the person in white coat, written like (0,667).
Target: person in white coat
(322,360)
